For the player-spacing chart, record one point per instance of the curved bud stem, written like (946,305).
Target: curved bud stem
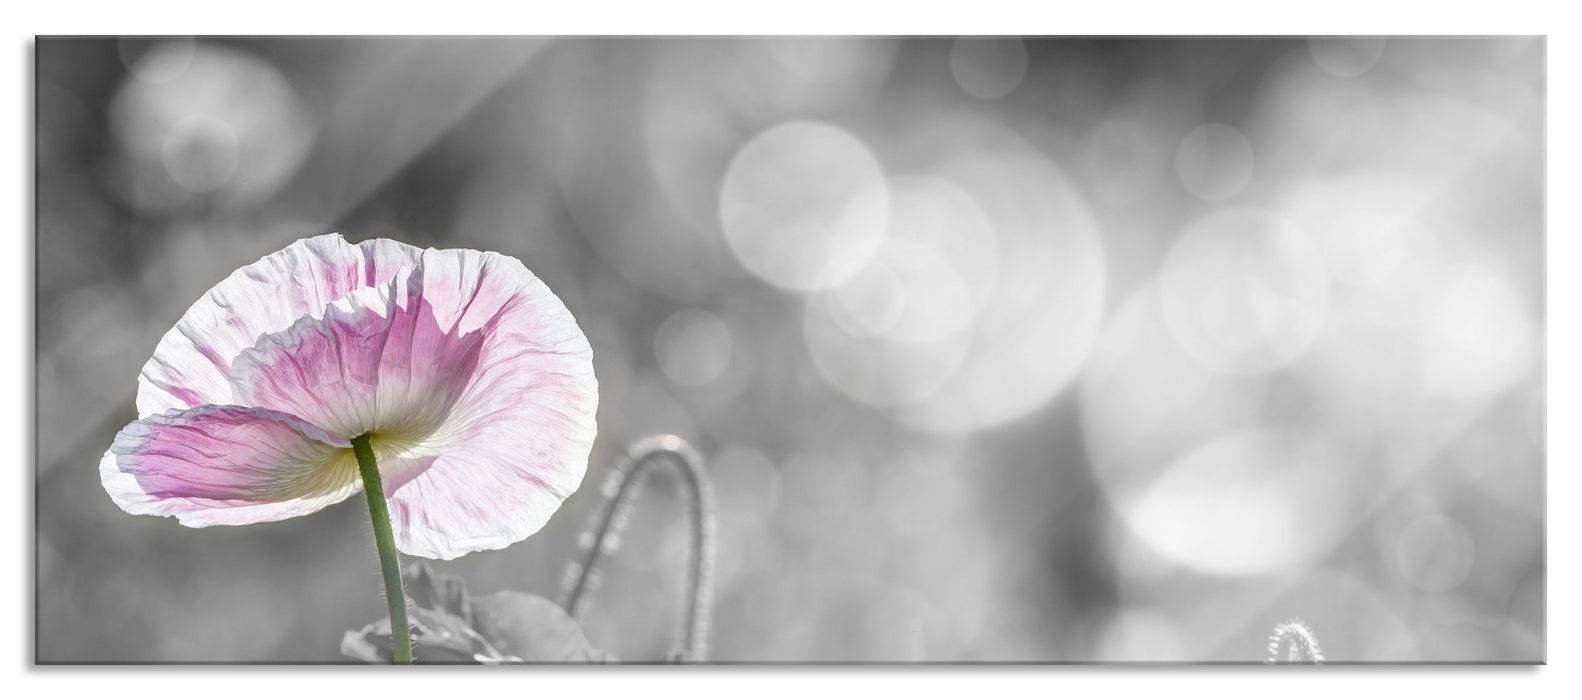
(619,492)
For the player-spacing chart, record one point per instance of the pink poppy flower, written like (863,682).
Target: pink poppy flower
(471,379)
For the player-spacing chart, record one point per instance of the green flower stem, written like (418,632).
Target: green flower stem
(389,563)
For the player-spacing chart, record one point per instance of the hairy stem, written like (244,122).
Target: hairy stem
(619,492)
(1298,642)
(384,540)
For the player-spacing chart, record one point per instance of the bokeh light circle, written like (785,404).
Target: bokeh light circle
(173,58)
(933,301)
(212,120)
(1214,162)
(201,153)
(790,210)
(693,347)
(869,304)
(1244,291)
(1038,322)
(1367,224)
(813,75)
(1479,336)
(1246,504)
(896,330)
(936,213)
(894,333)
(1124,158)
(1435,553)
(988,68)
(700,99)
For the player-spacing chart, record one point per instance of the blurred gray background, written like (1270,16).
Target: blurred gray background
(998,349)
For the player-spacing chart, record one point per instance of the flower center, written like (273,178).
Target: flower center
(400,455)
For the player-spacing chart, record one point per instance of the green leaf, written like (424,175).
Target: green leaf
(450,626)
(533,629)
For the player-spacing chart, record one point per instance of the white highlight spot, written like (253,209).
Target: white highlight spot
(1248,504)
(1479,338)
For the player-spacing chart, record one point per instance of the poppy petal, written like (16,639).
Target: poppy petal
(191,362)
(375,363)
(227,465)
(515,444)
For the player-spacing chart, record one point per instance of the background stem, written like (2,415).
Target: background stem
(619,492)
(384,540)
